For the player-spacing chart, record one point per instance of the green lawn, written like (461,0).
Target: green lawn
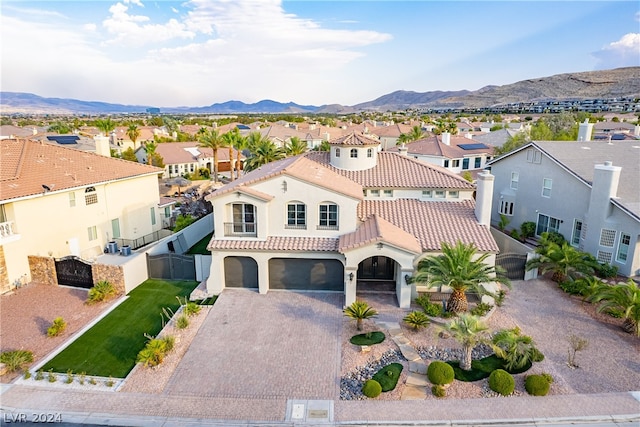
(110,347)
(200,248)
(482,368)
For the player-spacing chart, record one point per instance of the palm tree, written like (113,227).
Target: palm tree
(469,331)
(295,146)
(359,310)
(515,349)
(212,139)
(230,141)
(563,261)
(623,297)
(133,133)
(105,125)
(263,151)
(458,269)
(150,148)
(415,133)
(403,139)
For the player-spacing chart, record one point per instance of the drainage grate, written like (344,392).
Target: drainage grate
(309,411)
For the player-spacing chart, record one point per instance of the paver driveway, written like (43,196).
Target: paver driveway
(278,345)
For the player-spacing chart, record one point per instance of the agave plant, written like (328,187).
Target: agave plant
(417,319)
(359,311)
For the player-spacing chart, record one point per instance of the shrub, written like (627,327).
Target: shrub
(439,391)
(548,377)
(515,234)
(416,319)
(101,291)
(388,376)
(191,309)
(372,389)
(154,352)
(70,377)
(481,309)
(573,287)
(51,377)
(27,374)
(370,338)
(57,327)
(39,375)
(499,297)
(606,271)
(537,385)
(555,237)
(518,351)
(182,322)
(430,308)
(502,382)
(440,373)
(16,360)
(527,229)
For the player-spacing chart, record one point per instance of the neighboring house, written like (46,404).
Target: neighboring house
(181,158)
(13,132)
(389,135)
(351,218)
(497,138)
(455,153)
(58,201)
(587,191)
(120,139)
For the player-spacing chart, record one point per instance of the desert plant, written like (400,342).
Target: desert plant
(51,377)
(359,310)
(537,385)
(92,381)
(576,344)
(191,309)
(504,221)
(527,229)
(416,319)
(564,261)
(155,351)
(499,297)
(27,374)
(39,375)
(548,377)
(110,382)
(82,377)
(101,291)
(440,373)
(515,349)
(624,297)
(606,271)
(469,331)
(70,377)
(502,382)
(515,234)
(439,391)
(371,389)
(182,322)
(16,360)
(430,308)
(481,309)
(57,327)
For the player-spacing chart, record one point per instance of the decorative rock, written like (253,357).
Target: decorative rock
(417,379)
(365,349)
(419,367)
(409,352)
(411,392)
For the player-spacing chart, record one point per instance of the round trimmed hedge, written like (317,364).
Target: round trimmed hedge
(502,382)
(440,373)
(537,385)
(372,389)
(439,391)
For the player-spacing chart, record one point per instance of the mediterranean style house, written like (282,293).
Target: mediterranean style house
(341,220)
(56,201)
(587,191)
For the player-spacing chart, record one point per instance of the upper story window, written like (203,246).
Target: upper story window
(296,215)
(546,187)
(337,152)
(477,162)
(454,194)
(244,220)
(515,176)
(328,218)
(369,152)
(375,193)
(446,163)
(387,193)
(90,196)
(455,163)
(427,194)
(353,153)
(72,199)
(534,156)
(465,163)
(439,194)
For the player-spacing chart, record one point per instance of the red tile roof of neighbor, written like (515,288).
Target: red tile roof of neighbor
(355,138)
(376,229)
(28,165)
(432,222)
(433,146)
(278,243)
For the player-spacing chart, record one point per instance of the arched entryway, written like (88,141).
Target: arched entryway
(377,274)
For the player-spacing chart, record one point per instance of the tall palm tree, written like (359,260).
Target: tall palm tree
(403,139)
(469,331)
(359,310)
(230,141)
(415,133)
(150,148)
(105,125)
(212,139)
(295,146)
(263,151)
(563,261)
(459,268)
(133,133)
(623,297)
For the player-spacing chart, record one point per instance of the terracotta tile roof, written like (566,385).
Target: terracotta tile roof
(433,146)
(396,171)
(255,193)
(28,165)
(299,167)
(355,138)
(393,131)
(432,222)
(278,243)
(376,229)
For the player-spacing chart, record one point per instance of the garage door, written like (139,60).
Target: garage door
(240,272)
(306,274)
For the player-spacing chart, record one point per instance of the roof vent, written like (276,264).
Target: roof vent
(608,163)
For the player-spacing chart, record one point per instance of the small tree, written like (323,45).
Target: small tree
(576,344)
(469,331)
(515,349)
(359,311)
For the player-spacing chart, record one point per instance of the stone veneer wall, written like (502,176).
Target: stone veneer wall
(43,269)
(113,274)
(4,276)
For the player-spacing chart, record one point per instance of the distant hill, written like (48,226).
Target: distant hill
(617,83)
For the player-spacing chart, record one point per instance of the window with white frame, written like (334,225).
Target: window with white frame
(547,224)
(387,193)
(296,215)
(577,232)
(454,194)
(465,163)
(427,194)
(534,156)
(337,152)
(455,163)
(369,152)
(353,153)
(72,199)
(90,196)
(604,257)
(607,237)
(546,187)
(439,194)
(515,177)
(328,218)
(92,233)
(374,193)
(506,207)
(477,162)
(623,248)
(244,218)
(446,163)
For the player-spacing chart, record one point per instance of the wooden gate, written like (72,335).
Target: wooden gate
(73,271)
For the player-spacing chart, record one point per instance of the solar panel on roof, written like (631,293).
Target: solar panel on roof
(243,127)
(618,137)
(472,146)
(64,139)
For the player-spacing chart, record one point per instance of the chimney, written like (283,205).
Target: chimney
(403,150)
(484,196)
(636,131)
(446,138)
(603,187)
(102,145)
(585,130)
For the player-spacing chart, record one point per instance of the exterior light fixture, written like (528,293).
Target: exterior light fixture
(284,186)
(380,245)
(351,277)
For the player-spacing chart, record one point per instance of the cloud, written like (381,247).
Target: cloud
(90,27)
(621,53)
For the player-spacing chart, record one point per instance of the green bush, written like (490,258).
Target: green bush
(57,327)
(537,385)
(16,360)
(101,291)
(502,382)
(388,376)
(555,237)
(439,391)
(440,373)
(416,319)
(182,322)
(191,308)
(499,297)
(372,389)
(155,351)
(515,234)
(606,271)
(527,229)
(481,309)
(369,338)
(430,308)
(547,377)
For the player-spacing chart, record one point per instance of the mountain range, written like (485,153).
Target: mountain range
(616,83)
